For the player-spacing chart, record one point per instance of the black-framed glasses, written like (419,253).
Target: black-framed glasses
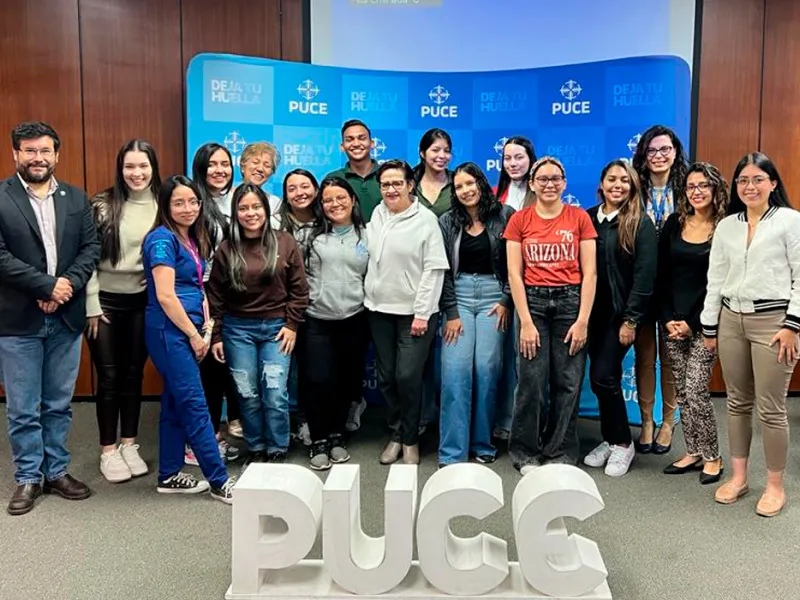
(387,185)
(703,186)
(663,151)
(544,181)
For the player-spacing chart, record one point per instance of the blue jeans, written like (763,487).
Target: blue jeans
(38,373)
(471,369)
(184,411)
(261,373)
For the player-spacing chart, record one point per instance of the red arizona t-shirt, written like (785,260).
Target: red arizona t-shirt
(550,246)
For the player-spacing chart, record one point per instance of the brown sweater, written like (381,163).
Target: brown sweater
(282,296)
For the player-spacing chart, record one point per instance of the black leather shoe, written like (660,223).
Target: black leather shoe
(706,479)
(67,487)
(673,470)
(23,499)
(659,449)
(643,448)
(258,456)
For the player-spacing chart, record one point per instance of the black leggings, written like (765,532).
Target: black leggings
(330,359)
(217,386)
(119,354)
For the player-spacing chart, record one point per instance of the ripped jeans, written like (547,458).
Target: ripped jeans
(260,372)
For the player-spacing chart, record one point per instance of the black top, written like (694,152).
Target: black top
(628,278)
(682,275)
(475,254)
(603,296)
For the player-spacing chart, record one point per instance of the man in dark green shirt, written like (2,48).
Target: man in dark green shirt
(360,170)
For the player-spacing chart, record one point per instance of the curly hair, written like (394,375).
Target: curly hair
(677,173)
(719,198)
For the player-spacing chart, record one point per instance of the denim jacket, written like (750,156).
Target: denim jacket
(452,242)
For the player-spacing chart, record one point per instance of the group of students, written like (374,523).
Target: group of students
(230,291)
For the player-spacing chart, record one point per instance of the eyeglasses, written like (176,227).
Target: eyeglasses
(336,199)
(703,187)
(556,180)
(32,152)
(193,203)
(663,151)
(386,185)
(757,180)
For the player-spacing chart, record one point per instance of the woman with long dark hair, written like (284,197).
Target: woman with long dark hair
(684,250)
(212,172)
(626,271)
(552,272)
(407,261)
(661,164)
(115,306)
(176,329)
(513,190)
(752,307)
(258,295)
(433,182)
(475,300)
(332,343)
(512,186)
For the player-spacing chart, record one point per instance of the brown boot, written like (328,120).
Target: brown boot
(411,454)
(391,453)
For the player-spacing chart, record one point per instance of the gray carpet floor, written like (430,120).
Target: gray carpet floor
(661,537)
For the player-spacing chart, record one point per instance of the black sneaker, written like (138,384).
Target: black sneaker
(258,456)
(318,456)
(485,459)
(276,457)
(224,493)
(182,483)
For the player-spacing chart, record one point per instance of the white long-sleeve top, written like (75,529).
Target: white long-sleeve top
(764,276)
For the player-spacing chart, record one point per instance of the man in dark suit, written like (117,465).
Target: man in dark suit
(48,251)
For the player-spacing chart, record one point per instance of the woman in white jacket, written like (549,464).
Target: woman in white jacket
(407,262)
(752,307)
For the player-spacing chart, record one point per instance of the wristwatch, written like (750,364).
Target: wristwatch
(629,323)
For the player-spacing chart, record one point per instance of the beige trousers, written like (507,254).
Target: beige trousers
(647,348)
(755,378)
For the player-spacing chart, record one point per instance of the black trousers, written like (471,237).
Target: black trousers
(330,361)
(605,374)
(217,386)
(400,361)
(119,354)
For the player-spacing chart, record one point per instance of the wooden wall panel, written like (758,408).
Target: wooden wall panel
(293,39)
(40,78)
(132,82)
(247,27)
(780,117)
(729,101)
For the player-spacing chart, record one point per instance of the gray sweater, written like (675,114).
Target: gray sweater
(335,269)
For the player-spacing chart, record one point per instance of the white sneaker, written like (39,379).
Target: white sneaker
(620,460)
(304,434)
(130,452)
(599,456)
(354,417)
(235,429)
(113,467)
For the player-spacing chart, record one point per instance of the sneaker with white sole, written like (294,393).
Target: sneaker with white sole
(224,493)
(620,460)
(318,456)
(525,469)
(189,458)
(227,452)
(338,450)
(182,483)
(113,467)
(235,429)
(599,456)
(354,416)
(130,452)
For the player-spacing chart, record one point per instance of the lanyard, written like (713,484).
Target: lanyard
(658,207)
(194,252)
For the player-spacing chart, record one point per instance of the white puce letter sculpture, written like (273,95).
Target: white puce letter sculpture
(278,509)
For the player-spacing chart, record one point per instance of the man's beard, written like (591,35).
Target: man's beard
(29,177)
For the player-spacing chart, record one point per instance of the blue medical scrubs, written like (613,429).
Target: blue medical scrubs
(184,413)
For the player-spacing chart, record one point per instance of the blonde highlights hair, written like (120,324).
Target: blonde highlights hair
(257,149)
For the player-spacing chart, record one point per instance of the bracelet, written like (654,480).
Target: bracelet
(195,334)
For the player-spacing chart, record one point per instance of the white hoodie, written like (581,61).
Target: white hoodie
(407,262)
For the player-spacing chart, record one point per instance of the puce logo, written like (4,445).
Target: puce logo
(571,201)
(495,164)
(378,148)
(235,143)
(308,92)
(634,142)
(439,109)
(570,91)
